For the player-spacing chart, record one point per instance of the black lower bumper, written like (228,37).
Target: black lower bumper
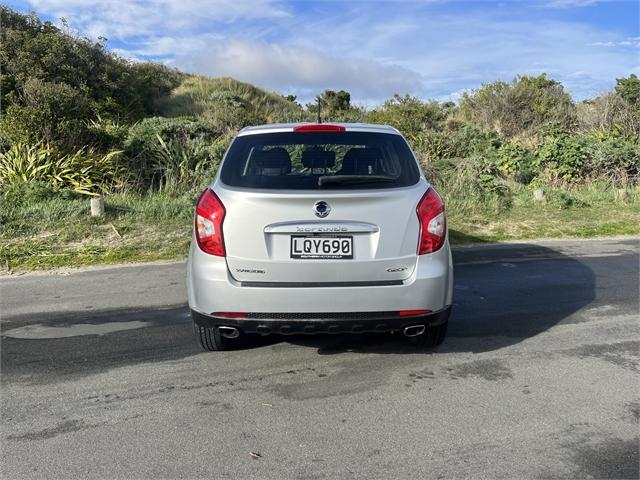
(312,323)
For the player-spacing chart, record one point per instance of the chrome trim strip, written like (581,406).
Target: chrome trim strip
(372,283)
(321,227)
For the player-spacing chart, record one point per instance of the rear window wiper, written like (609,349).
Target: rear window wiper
(347,179)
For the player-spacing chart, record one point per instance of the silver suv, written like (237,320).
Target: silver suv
(319,228)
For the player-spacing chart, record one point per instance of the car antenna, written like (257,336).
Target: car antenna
(319,119)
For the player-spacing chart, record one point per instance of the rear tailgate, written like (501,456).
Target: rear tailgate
(367,229)
(382,225)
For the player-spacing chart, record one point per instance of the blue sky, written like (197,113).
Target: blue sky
(373,49)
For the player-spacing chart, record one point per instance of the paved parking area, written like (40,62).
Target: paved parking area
(539,377)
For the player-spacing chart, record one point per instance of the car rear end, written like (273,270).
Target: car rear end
(315,229)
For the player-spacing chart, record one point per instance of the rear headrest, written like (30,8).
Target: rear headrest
(358,160)
(273,159)
(318,158)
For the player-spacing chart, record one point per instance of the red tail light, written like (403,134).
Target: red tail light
(433,222)
(411,313)
(208,224)
(229,314)
(319,127)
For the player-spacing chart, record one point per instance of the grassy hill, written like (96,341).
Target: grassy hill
(219,98)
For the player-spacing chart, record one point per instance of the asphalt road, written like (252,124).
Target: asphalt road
(539,377)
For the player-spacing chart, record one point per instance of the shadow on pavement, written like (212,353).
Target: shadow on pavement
(503,295)
(40,347)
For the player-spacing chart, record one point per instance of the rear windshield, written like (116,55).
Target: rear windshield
(319,160)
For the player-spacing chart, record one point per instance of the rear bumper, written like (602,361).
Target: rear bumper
(336,322)
(212,289)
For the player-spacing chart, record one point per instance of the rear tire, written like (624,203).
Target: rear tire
(432,336)
(210,339)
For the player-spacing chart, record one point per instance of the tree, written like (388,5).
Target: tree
(410,115)
(32,49)
(335,101)
(522,107)
(629,89)
(41,62)
(53,112)
(608,113)
(334,105)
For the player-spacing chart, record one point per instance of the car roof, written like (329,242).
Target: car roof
(288,127)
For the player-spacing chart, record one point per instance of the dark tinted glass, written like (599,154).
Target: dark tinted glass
(328,160)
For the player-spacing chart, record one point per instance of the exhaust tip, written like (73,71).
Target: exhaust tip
(414,330)
(229,332)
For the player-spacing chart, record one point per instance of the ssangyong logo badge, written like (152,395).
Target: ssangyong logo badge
(321,209)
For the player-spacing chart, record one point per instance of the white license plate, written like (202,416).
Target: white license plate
(304,246)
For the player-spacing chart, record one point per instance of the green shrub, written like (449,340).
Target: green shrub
(174,152)
(522,107)
(442,150)
(53,83)
(83,171)
(25,163)
(629,89)
(143,135)
(562,156)
(51,112)
(563,199)
(24,193)
(609,114)
(114,87)
(22,205)
(184,164)
(106,133)
(473,184)
(573,158)
(410,115)
(485,177)
(614,158)
(516,162)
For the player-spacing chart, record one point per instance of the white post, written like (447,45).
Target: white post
(538,194)
(97,206)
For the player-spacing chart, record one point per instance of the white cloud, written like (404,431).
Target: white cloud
(453,52)
(126,54)
(569,3)
(121,19)
(632,42)
(370,49)
(300,70)
(167,47)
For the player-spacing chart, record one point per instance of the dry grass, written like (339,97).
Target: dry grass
(58,232)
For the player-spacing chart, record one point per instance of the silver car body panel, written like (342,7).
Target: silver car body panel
(212,289)
(385,271)
(390,243)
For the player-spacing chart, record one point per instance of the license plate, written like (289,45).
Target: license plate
(304,246)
